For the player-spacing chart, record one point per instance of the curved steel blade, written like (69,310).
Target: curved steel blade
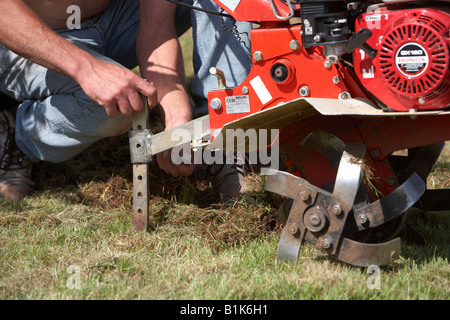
(424,159)
(293,232)
(283,183)
(349,174)
(391,206)
(366,254)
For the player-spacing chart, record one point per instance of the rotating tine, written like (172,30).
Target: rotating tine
(303,194)
(349,175)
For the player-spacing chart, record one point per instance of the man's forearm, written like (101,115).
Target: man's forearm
(161,62)
(25,34)
(113,87)
(165,71)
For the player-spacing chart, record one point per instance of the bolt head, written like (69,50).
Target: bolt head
(315,220)
(390,181)
(294,45)
(374,153)
(336,79)
(304,91)
(327,64)
(215,104)
(257,55)
(304,195)
(344,95)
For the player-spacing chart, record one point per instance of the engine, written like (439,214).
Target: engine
(405,64)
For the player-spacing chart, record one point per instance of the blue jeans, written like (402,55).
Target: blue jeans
(56,120)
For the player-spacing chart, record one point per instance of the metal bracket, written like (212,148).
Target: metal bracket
(275,10)
(140,145)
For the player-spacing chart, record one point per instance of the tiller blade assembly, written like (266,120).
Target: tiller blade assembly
(340,222)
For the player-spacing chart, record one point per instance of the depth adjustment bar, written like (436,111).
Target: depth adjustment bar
(144,145)
(140,170)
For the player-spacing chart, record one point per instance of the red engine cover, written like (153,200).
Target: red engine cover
(411,69)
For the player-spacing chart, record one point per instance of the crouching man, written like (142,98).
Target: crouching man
(73,82)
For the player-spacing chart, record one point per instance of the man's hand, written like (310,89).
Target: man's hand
(165,163)
(115,88)
(164,158)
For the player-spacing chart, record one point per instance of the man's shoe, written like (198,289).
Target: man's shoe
(228,178)
(15,167)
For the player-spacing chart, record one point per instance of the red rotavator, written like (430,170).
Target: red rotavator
(347,84)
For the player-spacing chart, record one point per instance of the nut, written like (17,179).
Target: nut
(336,210)
(293,228)
(362,218)
(325,243)
(304,91)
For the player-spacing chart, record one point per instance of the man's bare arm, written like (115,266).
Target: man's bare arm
(161,62)
(115,88)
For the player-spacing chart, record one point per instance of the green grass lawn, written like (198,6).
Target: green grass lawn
(73,239)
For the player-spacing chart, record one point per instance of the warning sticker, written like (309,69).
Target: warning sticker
(411,59)
(230,4)
(261,89)
(237,104)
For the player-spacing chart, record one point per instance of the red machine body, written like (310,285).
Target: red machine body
(395,61)
(411,69)
(306,69)
(401,77)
